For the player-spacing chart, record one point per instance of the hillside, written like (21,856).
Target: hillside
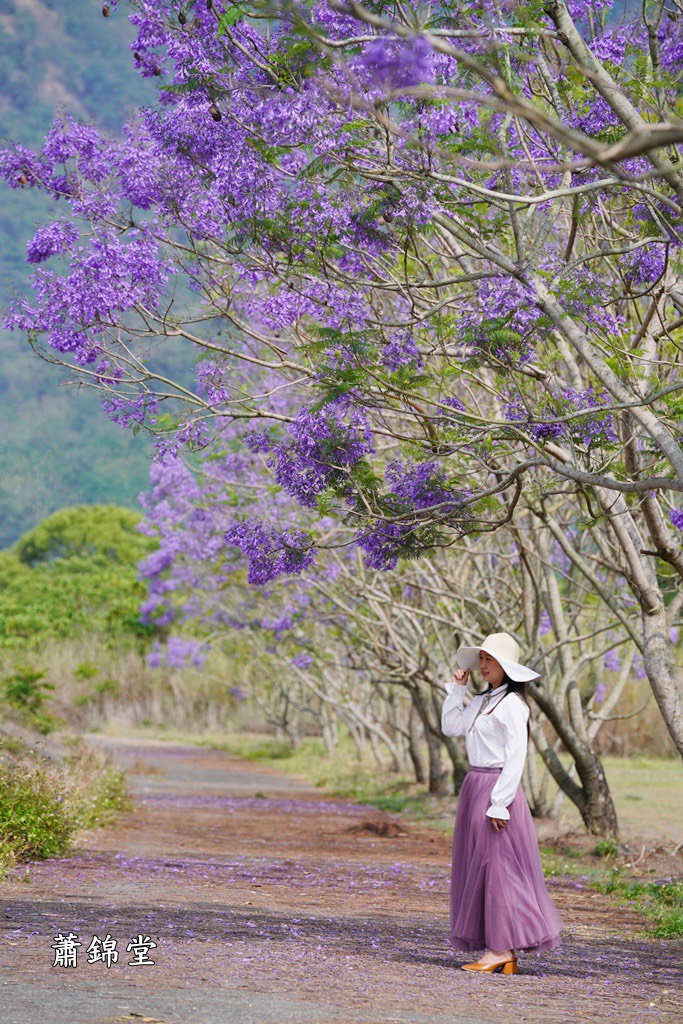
(56,448)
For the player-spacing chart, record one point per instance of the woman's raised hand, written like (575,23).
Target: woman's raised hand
(460,676)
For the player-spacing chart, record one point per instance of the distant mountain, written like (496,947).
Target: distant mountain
(57,448)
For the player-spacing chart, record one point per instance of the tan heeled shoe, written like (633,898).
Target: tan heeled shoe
(507,967)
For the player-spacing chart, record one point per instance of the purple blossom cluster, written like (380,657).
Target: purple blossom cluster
(612,661)
(413,488)
(600,693)
(322,235)
(270,553)
(588,429)
(322,447)
(105,281)
(422,485)
(399,62)
(502,320)
(126,411)
(401,350)
(51,240)
(647,264)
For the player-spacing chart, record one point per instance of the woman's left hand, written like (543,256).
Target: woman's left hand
(498,823)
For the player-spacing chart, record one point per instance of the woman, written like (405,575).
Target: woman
(499,901)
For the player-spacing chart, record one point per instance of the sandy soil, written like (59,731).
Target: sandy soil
(250,880)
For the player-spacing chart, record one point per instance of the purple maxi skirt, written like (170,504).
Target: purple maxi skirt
(498,894)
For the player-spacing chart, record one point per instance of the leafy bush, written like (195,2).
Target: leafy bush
(25,692)
(33,822)
(42,805)
(86,531)
(97,789)
(606,848)
(74,574)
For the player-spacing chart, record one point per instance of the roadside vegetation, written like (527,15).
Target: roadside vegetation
(46,800)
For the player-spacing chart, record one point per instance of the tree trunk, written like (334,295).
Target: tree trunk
(414,740)
(662,673)
(357,734)
(431,721)
(458,756)
(592,797)
(374,744)
(642,579)
(329,729)
(598,813)
(437,776)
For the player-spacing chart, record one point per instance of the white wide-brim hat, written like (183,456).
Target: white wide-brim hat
(505,649)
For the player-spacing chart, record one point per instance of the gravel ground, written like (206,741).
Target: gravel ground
(270,902)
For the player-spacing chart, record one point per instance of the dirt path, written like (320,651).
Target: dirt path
(268,902)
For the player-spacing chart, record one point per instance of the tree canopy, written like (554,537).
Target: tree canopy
(74,575)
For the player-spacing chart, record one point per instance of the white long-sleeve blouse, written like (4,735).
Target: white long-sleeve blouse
(497,739)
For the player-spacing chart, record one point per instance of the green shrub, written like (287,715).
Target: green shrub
(606,848)
(86,670)
(661,901)
(43,805)
(667,912)
(74,574)
(26,693)
(33,819)
(8,858)
(97,788)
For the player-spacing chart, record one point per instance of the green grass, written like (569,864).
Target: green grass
(339,774)
(647,794)
(661,901)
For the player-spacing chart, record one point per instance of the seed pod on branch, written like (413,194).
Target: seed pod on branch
(215,112)
(106,10)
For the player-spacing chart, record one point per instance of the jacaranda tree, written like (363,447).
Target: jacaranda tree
(428,255)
